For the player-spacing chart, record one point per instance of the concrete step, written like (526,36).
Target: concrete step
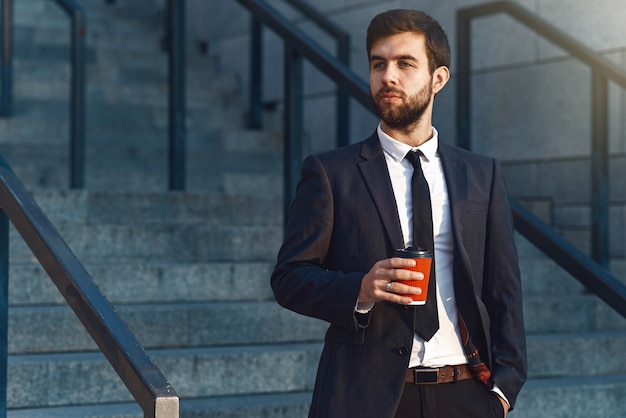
(114,66)
(55,329)
(133,168)
(46,122)
(573,397)
(109,125)
(148,94)
(213,147)
(123,410)
(54,380)
(570,314)
(106,24)
(561,355)
(585,397)
(197,180)
(171,242)
(150,282)
(194,321)
(118,208)
(287,405)
(179,226)
(29,48)
(542,277)
(224,371)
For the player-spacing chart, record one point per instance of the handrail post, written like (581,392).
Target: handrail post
(4,309)
(602,71)
(343,100)
(463,95)
(124,353)
(255,115)
(77,92)
(292,123)
(599,170)
(77,135)
(6,57)
(177,113)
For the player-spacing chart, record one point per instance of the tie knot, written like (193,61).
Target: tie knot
(414,158)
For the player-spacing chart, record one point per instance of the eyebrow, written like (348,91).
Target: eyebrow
(405,57)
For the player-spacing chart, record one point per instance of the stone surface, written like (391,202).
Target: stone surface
(189,272)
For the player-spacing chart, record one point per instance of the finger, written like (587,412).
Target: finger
(401,289)
(404,274)
(399,299)
(404,289)
(401,263)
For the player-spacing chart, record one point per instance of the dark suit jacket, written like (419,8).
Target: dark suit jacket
(342,221)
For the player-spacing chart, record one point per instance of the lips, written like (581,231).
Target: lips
(389,95)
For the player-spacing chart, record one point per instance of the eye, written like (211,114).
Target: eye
(378,65)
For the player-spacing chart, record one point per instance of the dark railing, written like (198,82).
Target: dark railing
(177,107)
(592,275)
(6,69)
(583,268)
(602,71)
(144,380)
(343,53)
(177,111)
(77,93)
(299,45)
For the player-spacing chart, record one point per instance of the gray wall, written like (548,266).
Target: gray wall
(531,102)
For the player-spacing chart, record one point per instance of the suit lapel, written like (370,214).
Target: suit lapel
(455,171)
(376,175)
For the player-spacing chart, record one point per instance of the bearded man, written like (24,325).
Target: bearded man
(462,354)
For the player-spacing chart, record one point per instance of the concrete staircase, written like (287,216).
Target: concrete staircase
(189,271)
(575,346)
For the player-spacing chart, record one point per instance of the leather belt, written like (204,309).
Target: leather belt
(446,374)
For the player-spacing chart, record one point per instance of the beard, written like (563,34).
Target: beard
(408,113)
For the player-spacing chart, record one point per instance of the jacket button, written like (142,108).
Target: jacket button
(403,351)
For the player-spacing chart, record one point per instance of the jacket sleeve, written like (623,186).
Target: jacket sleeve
(300,280)
(502,294)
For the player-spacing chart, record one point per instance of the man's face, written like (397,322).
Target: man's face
(401,84)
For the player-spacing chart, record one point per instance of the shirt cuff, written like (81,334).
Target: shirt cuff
(497,390)
(364,307)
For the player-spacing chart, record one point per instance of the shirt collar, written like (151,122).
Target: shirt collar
(398,150)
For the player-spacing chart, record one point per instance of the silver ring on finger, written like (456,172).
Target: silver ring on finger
(388,286)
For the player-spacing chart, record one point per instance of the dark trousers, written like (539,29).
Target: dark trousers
(463,399)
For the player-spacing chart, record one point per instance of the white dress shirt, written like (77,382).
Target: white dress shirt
(445,347)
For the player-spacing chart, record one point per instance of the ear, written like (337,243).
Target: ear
(440,78)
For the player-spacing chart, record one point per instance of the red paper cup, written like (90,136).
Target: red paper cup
(423,263)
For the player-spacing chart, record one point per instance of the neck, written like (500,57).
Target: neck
(413,135)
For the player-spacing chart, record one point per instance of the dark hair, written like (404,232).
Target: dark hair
(394,22)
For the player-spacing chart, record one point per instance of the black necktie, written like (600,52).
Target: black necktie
(426,318)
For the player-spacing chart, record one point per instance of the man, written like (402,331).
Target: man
(355,206)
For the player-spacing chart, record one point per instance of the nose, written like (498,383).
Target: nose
(389,76)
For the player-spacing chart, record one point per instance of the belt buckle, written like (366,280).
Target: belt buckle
(426,376)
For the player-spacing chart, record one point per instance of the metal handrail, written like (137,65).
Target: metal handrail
(343,53)
(602,71)
(77,89)
(177,99)
(609,288)
(154,394)
(175,23)
(6,56)
(580,266)
(298,45)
